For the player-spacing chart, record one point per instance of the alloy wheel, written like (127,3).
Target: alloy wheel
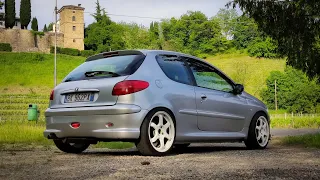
(161,131)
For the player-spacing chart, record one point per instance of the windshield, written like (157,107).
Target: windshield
(117,65)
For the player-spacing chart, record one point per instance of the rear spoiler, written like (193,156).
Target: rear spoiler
(114,53)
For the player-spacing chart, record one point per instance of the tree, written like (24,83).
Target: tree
(193,33)
(104,34)
(45,29)
(227,18)
(245,31)
(295,92)
(294,24)
(25,13)
(10,11)
(1,5)
(50,27)
(34,24)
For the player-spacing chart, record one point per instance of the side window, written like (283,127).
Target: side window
(207,77)
(174,68)
(73,18)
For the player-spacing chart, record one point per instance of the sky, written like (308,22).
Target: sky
(44,9)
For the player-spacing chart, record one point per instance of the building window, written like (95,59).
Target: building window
(73,11)
(74,40)
(73,18)
(74,28)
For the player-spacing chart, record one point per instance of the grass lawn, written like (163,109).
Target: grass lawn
(26,73)
(309,141)
(23,134)
(249,71)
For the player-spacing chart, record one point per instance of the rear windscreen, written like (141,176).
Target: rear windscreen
(108,67)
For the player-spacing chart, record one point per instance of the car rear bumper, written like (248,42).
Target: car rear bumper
(126,120)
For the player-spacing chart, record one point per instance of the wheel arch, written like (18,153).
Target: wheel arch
(159,108)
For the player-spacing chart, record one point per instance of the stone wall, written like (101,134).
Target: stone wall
(24,41)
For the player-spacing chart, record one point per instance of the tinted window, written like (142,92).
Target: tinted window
(120,65)
(208,77)
(174,68)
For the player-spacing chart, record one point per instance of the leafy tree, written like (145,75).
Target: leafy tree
(263,48)
(10,11)
(25,13)
(135,36)
(1,4)
(294,91)
(294,24)
(34,24)
(50,27)
(227,18)
(104,34)
(244,31)
(194,33)
(45,29)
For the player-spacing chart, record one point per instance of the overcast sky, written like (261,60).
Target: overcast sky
(44,9)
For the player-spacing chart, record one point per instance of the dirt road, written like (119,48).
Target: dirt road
(203,161)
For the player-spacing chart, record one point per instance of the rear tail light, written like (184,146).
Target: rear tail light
(129,87)
(51,95)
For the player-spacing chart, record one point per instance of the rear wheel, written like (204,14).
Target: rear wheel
(75,148)
(157,133)
(259,132)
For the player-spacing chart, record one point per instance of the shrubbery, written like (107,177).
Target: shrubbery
(5,47)
(295,92)
(87,53)
(73,52)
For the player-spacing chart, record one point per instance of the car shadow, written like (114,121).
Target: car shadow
(193,149)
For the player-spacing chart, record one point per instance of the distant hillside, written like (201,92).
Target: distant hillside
(25,73)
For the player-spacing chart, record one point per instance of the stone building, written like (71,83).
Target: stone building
(70,28)
(71,25)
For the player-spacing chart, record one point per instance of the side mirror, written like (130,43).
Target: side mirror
(238,89)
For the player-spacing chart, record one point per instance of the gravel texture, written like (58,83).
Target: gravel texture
(200,161)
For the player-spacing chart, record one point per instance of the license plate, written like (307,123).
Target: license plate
(79,97)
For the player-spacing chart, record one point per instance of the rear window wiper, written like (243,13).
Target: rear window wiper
(94,73)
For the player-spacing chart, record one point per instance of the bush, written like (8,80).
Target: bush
(5,47)
(38,57)
(87,53)
(70,51)
(67,51)
(263,48)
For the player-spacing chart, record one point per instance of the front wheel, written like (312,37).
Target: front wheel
(75,148)
(157,133)
(259,132)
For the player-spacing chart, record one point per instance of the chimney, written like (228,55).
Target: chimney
(79,5)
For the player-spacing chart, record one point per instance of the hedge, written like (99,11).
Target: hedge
(73,52)
(5,47)
(87,53)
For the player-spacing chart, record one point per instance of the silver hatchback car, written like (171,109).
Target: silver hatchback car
(156,99)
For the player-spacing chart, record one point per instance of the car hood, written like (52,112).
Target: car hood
(254,100)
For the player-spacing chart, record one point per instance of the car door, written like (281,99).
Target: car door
(218,108)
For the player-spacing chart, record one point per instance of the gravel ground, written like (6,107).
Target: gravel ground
(200,161)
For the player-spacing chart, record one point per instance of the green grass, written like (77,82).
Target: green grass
(15,132)
(114,145)
(249,71)
(309,141)
(31,133)
(24,73)
(295,122)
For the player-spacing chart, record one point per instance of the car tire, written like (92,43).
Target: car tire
(74,148)
(259,132)
(157,136)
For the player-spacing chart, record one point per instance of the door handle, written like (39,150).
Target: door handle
(203,97)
